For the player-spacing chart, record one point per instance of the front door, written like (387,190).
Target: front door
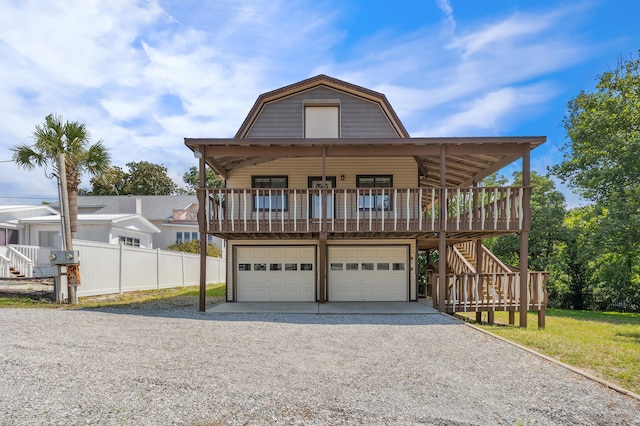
(315,205)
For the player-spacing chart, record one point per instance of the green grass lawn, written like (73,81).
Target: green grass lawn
(178,297)
(606,344)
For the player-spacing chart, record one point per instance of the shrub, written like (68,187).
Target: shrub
(194,247)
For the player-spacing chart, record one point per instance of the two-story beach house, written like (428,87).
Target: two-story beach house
(329,199)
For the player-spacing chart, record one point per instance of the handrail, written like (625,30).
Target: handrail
(490,262)
(485,208)
(20,262)
(38,255)
(458,263)
(5,264)
(469,292)
(357,210)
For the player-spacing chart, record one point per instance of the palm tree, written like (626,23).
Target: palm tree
(53,137)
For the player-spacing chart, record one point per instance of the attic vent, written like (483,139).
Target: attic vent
(322,118)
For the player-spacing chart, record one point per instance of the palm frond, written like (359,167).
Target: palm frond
(27,158)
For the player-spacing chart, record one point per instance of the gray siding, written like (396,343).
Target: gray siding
(359,118)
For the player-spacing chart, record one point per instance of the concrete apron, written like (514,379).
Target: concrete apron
(326,308)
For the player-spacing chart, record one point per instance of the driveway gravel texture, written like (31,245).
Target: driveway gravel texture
(154,366)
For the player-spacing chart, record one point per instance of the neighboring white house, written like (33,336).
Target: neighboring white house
(174,215)
(11,229)
(129,229)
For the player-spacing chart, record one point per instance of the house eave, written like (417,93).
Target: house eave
(481,156)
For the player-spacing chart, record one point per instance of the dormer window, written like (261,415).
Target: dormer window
(322,118)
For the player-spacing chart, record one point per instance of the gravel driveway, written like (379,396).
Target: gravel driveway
(181,367)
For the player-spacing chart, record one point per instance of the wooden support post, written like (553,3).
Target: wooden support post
(442,238)
(541,317)
(524,278)
(524,235)
(512,317)
(442,271)
(479,317)
(491,318)
(202,227)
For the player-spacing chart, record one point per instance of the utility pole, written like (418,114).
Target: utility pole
(73,273)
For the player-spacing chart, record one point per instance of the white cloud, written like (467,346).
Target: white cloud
(112,65)
(488,114)
(445,6)
(480,78)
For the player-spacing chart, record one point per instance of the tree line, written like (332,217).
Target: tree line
(146,178)
(592,252)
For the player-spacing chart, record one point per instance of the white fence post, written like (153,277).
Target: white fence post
(183,270)
(158,268)
(120,266)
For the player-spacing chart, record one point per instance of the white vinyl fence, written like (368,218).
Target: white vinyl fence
(107,269)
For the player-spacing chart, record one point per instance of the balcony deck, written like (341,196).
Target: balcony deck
(364,212)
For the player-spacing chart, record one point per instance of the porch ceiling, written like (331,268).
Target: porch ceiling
(467,159)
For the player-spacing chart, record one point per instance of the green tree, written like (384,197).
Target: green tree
(54,137)
(601,164)
(112,182)
(494,179)
(192,179)
(142,178)
(603,130)
(572,286)
(146,178)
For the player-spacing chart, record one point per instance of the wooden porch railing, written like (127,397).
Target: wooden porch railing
(484,208)
(496,287)
(400,210)
(478,292)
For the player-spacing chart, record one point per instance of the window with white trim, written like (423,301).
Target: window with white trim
(129,241)
(184,236)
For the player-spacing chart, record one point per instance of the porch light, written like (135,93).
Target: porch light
(197,154)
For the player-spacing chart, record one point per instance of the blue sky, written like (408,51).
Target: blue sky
(142,75)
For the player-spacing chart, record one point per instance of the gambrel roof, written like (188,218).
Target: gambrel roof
(322,81)
(467,159)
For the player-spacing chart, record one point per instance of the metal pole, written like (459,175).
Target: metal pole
(57,281)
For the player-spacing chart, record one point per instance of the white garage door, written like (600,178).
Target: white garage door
(276,274)
(368,273)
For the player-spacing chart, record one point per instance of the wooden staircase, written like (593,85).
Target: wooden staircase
(492,288)
(462,260)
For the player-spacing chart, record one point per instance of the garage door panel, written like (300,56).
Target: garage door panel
(275,273)
(359,273)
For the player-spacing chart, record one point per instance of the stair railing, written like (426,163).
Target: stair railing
(458,263)
(5,264)
(20,262)
(38,255)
